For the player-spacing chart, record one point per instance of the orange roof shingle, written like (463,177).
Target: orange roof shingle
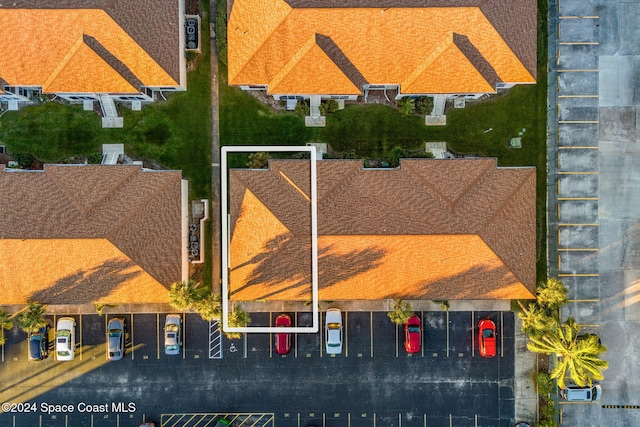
(456,229)
(74,50)
(424,49)
(80,234)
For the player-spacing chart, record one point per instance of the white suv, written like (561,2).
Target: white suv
(574,393)
(66,338)
(333,331)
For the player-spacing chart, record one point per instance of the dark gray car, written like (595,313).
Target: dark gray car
(115,338)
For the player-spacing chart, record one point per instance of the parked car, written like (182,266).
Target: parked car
(575,393)
(487,338)
(172,334)
(283,340)
(115,338)
(333,331)
(66,338)
(412,334)
(39,344)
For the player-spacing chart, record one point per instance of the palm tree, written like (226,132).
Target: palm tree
(401,312)
(210,307)
(578,356)
(535,320)
(32,318)
(552,295)
(6,322)
(238,318)
(182,294)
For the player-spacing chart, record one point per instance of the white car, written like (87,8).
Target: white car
(333,331)
(172,334)
(66,338)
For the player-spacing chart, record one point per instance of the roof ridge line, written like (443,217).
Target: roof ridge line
(293,61)
(503,204)
(246,187)
(440,48)
(109,234)
(63,63)
(62,188)
(475,180)
(117,185)
(354,170)
(427,185)
(261,45)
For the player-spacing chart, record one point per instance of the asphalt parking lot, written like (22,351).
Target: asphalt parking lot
(373,382)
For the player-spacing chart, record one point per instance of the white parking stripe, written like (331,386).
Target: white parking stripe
(501,334)
(184,333)
(80,337)
(346,333)
(473,341)
(132,341)
(371,330)
(158,334)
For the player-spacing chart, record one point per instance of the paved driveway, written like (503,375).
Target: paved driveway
(594,190)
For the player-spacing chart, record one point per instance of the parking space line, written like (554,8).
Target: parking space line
(106,325)
(270,336)
(572,224)
(450,421)
(244,344)
(501,335)
(321,332)
(158,334)
(324,421)
(577,172)
(215,340)
(133,345)
(422,334)
(577,71)
(473,342)
(578,96)
(476,420)
(349,419)
(578,275)
(578,198)
(579,249)
(371,330)
(399,420)
(579,43)
(298,419)
(346,333)
(424,420)
(578,147)
(579,17)
(447,333)
(184,333)
(578,122)
(396,340)
(583,300)
(80,337)
(295,337)
(374,419)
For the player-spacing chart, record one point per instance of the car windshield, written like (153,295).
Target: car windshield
(63,353)
(171,347)
(114,354)
(64,332)
(487,333)
(334,345)
(414,329)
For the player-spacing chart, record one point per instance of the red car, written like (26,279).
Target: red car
(412,334)
(487,338)
(283,340)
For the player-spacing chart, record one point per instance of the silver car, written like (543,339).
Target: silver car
(115,338)
(172,334)
(333,331)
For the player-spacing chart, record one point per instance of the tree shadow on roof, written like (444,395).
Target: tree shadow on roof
(284,267)
(478,282)
(87,286)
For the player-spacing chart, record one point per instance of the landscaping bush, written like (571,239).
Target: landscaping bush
(406,105)
(395,155)
(221,30)
(424,105)
(302,108)
(328,107)
(25,160)
(544,383)
(548,410)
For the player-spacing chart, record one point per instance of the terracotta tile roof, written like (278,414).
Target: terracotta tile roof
(89,233)
(310,48)
(432,229)
(94,47)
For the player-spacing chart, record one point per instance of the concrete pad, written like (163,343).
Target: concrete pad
(610,35)
(578,186)
(575,8)
(619,180)
(619,80)
(620,244)
(578,211)
(577,30)
(583,312)
(578,134)
(617,123)
(577,57)
(577,113)
(578,237)
(587,287)
(435,120)
(578,83)
(578,262)
(578,160)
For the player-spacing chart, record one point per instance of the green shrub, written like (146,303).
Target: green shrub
(544,383)
(25,160)
(395,155)
(94,158)
(547,423)
(221,30)
(302,108)
(406,105)
(548,410)
(424,105)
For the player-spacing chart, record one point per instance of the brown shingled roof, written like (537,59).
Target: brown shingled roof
(431,229)
(79,234)
(126,44)
(313,47)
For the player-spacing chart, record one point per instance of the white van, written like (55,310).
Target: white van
(574,393)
